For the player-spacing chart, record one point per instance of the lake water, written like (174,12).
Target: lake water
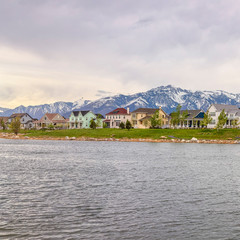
(117,190)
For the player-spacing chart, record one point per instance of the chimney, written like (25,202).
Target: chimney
(127,110)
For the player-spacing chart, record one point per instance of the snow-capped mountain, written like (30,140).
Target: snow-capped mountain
(3,110)
(168,97)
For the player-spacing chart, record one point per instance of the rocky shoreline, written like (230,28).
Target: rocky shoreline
(163,139)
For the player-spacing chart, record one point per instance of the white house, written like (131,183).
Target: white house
(232,112)
(114,118)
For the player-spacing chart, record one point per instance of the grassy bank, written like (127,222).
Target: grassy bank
(207,134)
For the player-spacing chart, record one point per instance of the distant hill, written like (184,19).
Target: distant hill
(166,96)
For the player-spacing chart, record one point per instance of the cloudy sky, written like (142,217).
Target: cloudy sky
(53,50)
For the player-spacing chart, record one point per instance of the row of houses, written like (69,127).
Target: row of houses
(139,118)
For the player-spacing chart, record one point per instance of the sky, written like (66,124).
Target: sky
(65,50)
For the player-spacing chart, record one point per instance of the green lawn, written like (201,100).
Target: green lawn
(139,133)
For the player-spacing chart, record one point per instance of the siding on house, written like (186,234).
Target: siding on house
(54,119)
(81,119)
(232,112)
(25,119)
(118,115)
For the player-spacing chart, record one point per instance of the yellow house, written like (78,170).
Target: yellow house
(141,117)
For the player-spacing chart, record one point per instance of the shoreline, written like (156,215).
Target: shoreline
(161,140)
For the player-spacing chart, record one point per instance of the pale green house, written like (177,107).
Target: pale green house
(82,119)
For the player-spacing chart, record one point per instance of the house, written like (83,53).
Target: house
(5,121)
(51,119)
(118,115)
(25,119)
(193,119)
(232,112)
(81,119)
(141,117)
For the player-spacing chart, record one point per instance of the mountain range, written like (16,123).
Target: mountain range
(168,97)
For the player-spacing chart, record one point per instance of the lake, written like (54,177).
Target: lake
(118,190)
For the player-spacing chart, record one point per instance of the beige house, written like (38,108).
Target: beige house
(54,119)
(141,117)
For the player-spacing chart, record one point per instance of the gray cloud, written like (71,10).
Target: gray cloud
(122,46)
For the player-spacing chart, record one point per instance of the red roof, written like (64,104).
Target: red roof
(118,111)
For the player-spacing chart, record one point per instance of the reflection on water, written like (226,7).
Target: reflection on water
(116,190)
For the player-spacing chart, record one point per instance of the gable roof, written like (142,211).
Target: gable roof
(118,111)
(145,110)
(100,115)
(226,107)
(50,116)
(191,113)
(14,115)
(76,113)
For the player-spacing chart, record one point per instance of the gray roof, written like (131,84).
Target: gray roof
(76,113)
(192,113)
(226,108)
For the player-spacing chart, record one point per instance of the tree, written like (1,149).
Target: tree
(2,124)
(155,120)
(128,125)
(50,126)
(104,125)
(99,121)
(93,125)
(235,123)
(177,117)
(183,117)
(15,125)
(122,125)
(206,119)
(222,119)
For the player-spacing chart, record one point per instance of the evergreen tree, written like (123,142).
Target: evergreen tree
(122,125)
(128,125)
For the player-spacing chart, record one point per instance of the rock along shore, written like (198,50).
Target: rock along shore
(163,139)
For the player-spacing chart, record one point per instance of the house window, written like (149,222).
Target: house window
(134,115)
(45,118)
(86,118)
(212,114)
